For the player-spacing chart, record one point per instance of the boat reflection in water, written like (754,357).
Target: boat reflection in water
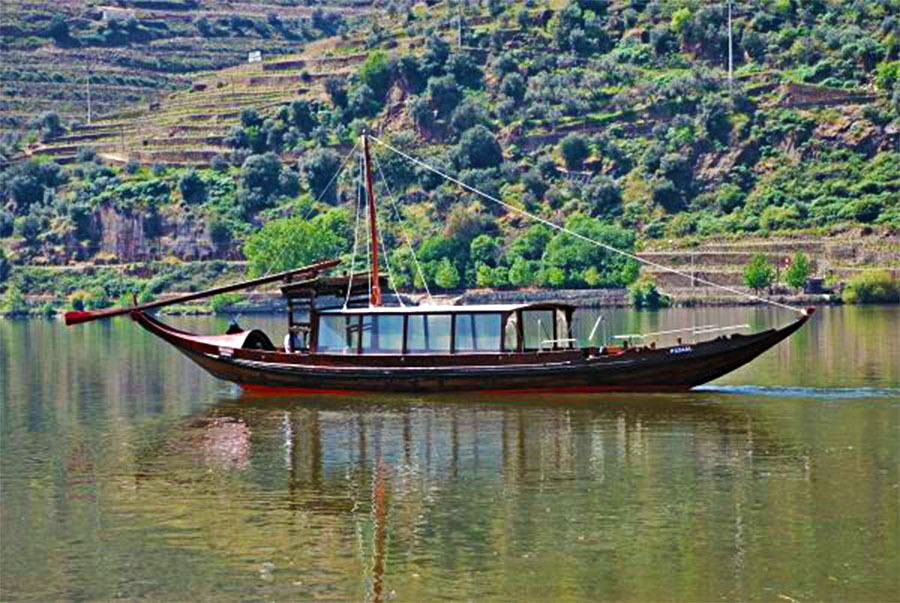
(391,491)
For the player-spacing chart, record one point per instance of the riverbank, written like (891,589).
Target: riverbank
(271,302)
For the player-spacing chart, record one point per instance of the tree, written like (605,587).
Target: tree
(192,187)
(376,73)
(291,242)
(571,262)
(444,94)
(484,250)
(302,116)
(421,113)
(604,196)
(574,149)
(468,114)
(465,71)
(446,276)
(50,125)
(363,102)
(319,167)
(799,271)
(478,149)
(759,274)
(513,86)
(260,181)
(337,91)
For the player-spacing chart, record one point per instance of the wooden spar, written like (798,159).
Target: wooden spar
(74,318)
(373,228)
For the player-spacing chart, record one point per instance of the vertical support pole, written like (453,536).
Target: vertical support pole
(730,53)
(373,228)
(89,95)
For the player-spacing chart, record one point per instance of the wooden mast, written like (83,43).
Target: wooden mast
(373,227)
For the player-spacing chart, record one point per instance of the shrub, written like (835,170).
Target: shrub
(222,303)
(644,294)
(86,154)
(872,287)
(132,167)
(219,163)
(5,266)
(14,303)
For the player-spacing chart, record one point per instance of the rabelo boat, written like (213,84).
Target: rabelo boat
(342,337)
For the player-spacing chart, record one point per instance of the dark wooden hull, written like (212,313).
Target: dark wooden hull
(664,369)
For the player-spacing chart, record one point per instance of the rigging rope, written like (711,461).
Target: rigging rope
(402,230)
(387,263)
(579,236)
(284,246)
(355,235)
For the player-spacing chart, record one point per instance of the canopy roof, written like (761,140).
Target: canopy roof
(441,309)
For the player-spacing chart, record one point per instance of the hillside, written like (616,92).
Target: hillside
(137,49)
(615,118)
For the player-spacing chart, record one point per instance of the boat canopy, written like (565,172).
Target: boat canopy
(447,309)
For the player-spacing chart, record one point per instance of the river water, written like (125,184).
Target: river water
(127,472)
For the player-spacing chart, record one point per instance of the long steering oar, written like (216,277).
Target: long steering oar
(74,318)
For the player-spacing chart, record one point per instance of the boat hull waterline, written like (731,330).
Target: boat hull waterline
(677,368)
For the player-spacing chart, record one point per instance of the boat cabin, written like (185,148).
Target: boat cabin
(477,329)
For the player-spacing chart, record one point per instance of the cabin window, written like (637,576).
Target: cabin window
(537,328)
(337,334)
(478,333)
(428,334)
(511,333)
(382,334)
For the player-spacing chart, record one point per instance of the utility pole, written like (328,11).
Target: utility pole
(730,53)
(89,95)
(459,26)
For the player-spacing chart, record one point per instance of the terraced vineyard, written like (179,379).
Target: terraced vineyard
(136,50)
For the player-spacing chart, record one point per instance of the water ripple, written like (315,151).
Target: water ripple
(823,393)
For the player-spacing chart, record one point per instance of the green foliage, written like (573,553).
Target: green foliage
(5,266)
(293,242)
(574,150)
(478,149)
(319,167)
(643,294)
(192,187)
(444,95)
(13,303)
(376,73)
(573,262)
(872,287)
(799,271)
(222,303)
(261,182)
(759,273)
(446,276)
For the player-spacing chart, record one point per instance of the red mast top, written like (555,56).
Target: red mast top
(373,228)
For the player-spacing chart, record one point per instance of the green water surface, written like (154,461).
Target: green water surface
(127,472)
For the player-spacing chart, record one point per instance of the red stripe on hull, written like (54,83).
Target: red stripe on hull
(591,389)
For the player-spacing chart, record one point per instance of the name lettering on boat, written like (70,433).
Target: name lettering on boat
(682,349)
(226,352)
